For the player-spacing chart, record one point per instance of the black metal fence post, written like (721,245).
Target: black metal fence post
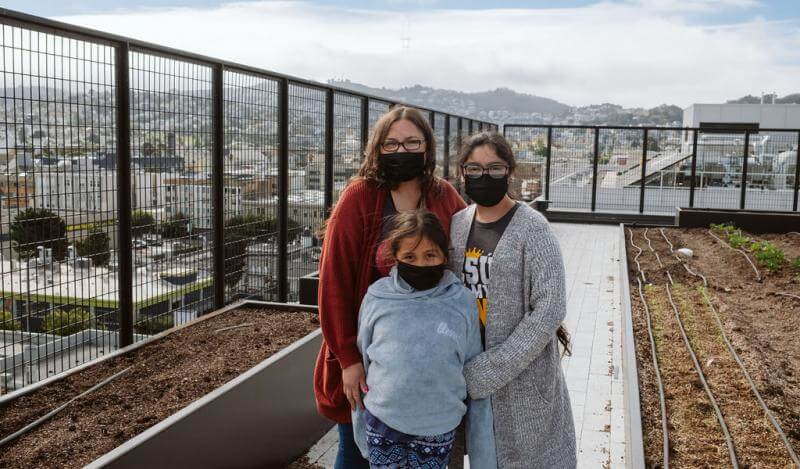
(446,155)
(644,172)
(364,125)
(797,174)
(744,169)
(594,166)
(692,182)
(459,138)
(124,236)
(329,127)
(547,164)
(218,185)
(283,192)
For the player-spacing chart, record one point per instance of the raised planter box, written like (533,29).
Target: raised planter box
(265,417)
(712,370)
(749,220)
(634,439)
(309,287)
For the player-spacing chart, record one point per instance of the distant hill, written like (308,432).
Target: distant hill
(498,104)
(509,106)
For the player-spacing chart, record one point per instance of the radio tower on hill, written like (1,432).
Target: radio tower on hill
(405,39)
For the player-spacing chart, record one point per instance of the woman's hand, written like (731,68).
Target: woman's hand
(354,382)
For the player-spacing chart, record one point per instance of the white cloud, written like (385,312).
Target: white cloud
(694,5)
(607,52)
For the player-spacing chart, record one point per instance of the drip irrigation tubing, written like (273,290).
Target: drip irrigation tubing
(662,401)
(701,375)
(758,274)
(720,419)
(729,345)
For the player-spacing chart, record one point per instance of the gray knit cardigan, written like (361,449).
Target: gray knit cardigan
(521,367)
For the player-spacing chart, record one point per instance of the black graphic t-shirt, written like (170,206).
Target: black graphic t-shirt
(481,243)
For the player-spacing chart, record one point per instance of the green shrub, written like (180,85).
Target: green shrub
(796,263)
(154,325)
(768,255)
(726,228)
(8,323)
(63,323)
(737,239)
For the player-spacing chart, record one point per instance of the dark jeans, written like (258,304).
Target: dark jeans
(349,456)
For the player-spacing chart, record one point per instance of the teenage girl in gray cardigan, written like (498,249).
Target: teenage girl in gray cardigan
(508,256)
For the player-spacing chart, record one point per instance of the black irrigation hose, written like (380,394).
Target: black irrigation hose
(789,295)
(661,398)
(738,360)
(699,370)
(662,401)
(684,264)
(636,258)
(58,409)
(650,245)
(758,274)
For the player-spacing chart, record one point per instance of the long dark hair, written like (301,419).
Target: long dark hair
(370,170)
(416,224)
(501,147)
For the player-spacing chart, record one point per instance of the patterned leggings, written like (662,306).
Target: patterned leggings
(422,452)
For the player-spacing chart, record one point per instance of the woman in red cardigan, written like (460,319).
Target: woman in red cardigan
(397,175)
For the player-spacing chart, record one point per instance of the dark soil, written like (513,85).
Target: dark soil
(303,463)
(166,375)
(762,327)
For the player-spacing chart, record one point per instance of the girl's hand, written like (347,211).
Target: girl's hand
(354,382)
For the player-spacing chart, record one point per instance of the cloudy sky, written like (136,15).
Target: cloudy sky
(631,52)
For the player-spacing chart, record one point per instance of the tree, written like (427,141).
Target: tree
(240,232)
(63,323)
(95,247)
(8,323)
(142,222)
(540,149)
(176,227)
(34,227)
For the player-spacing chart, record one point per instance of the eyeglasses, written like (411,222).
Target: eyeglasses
(412,144)
(495,171)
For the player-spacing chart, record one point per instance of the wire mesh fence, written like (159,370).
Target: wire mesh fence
(231,172)
(347,142)
(251,186)
(656,170)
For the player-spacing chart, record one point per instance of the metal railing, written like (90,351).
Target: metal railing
(653,170)
(142,186)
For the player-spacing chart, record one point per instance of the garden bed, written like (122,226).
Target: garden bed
(740,321)
(163,377)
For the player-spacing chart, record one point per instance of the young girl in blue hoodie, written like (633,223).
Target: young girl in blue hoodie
(416,329)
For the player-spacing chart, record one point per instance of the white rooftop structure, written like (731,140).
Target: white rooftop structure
(768,116)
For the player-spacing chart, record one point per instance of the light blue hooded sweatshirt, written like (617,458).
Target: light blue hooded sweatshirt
(415,344)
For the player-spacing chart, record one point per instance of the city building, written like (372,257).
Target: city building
(767,116)
(34,287)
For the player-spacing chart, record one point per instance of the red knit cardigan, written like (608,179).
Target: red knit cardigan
(345,273)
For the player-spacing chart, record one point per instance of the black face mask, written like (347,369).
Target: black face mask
(486,191)
(420,277)
(401,166)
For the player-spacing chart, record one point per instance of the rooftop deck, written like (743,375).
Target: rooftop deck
(593,372)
